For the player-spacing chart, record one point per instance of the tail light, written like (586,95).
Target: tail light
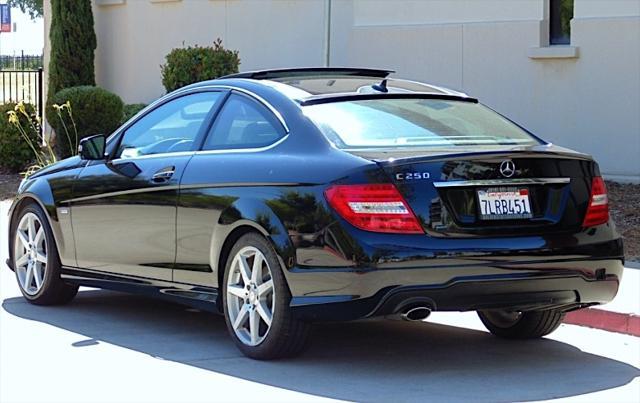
(378,208)
(598,210)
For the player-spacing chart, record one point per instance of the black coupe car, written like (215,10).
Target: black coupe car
(284,197)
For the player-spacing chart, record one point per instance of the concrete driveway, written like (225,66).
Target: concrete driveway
(108,346)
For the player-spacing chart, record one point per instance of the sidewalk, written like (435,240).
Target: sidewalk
(622,315)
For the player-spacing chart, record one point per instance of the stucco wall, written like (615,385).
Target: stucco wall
(134,37)
(484,47)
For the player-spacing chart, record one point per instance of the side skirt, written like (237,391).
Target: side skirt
(199,297)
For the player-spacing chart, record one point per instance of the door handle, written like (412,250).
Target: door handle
(163,175)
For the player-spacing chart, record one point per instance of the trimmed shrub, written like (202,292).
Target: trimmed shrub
(15,153)
(130,111)
(190,65)
(95,111)
(73,42)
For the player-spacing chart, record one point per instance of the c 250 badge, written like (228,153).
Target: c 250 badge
(408,176)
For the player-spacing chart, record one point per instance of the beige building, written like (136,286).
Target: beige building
(583,93)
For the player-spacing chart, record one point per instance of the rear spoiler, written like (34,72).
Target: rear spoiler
(310,72)
(350,96)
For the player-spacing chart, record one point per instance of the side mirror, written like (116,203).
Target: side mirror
(92,148)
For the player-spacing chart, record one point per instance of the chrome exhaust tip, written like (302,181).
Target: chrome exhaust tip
(416,313)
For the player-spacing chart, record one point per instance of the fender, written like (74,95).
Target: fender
(47,190)
(242,216)
(39,192)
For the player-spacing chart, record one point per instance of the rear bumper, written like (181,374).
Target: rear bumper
(564,284)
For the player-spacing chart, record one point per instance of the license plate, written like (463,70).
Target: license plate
(504,204)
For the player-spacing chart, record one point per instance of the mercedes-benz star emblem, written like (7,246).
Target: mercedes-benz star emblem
(507,168)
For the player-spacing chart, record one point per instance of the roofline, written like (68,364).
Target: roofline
(341,97)
(270,74)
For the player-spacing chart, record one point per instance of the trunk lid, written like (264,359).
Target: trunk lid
(443,188)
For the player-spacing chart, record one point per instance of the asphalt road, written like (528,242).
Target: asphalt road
(106,347)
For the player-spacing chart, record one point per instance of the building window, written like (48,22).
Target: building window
(560,15)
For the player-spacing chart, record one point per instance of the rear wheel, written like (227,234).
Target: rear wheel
(521,325)
(36,261)
(256,302)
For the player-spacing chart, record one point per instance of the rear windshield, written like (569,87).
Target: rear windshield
(376,123)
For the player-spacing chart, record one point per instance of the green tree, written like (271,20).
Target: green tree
(73,43)
(31,7)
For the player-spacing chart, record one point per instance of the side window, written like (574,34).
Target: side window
(243,123)
(171,127)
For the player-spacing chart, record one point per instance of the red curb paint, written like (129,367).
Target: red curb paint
(605,320)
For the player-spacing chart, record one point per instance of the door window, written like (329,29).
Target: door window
(243,123)
(172,127)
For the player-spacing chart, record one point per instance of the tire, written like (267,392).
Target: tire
(251,301)
(39,279)
(521,325)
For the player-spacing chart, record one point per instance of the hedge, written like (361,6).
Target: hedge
(130,110)
(15,153)
(95,111)
(193,64)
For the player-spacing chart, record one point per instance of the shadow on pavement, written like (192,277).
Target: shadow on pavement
(370,360)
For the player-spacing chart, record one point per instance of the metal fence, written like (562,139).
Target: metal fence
(22,85)
(21,62)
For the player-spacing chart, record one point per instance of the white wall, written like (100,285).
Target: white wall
(134,37)
(407,12)
(590,102)
(606,8)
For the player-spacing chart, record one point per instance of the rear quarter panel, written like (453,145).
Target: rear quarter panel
(277,193)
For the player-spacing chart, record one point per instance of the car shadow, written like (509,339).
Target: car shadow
(373,360)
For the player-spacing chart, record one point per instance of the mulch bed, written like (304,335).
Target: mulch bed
(624,202)
(8,185)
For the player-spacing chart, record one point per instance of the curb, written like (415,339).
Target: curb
(633,264)
(626,323)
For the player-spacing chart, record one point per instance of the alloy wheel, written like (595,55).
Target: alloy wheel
(30,253)
(250,296)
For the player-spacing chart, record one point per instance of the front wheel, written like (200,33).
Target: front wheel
(36,261)
(521,325)
(256,302)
